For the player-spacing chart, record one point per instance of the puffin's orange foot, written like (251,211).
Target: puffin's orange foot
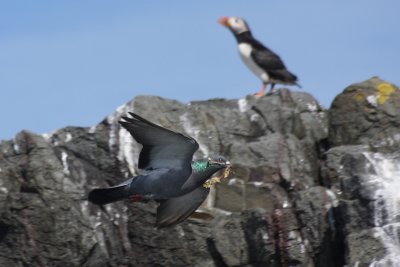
(262,91)
(259,94)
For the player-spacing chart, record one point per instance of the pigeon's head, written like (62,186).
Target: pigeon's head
(235,24)
(205,168)
(211,164)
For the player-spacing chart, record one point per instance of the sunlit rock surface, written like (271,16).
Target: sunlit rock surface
(298,195)
(363,169)
(366,113)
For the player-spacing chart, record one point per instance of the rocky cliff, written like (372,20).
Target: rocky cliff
(309,187)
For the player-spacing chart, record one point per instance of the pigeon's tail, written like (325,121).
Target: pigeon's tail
(102,196)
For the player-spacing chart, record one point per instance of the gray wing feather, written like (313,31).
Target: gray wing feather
(175,210)
(161,147)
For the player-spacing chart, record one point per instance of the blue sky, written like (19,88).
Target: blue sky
(74,62)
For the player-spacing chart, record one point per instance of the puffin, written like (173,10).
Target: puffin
(169,175)
(262,61)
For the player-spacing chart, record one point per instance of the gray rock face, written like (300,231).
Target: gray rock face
(367,184)
(363,169)
(366,113)
(287,202)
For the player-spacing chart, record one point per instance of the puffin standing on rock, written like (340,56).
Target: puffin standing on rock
(264,63)
(169,176)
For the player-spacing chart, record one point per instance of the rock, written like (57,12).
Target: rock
(361,168)
(365,248)
(366,113)
(366,183)
(316,208)
(45,180)
(43,215)
(289,201)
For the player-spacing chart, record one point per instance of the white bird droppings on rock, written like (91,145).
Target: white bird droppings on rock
(16,147)
(64,157)
(3,190)
(68,137)
(194,132)
(242,104)
(372,99)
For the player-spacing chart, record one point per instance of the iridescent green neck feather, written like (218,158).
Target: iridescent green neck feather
(200,165)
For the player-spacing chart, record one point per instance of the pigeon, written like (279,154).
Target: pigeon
(169,176)
(263,62)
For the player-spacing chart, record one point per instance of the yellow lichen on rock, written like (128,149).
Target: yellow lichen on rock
(359,97)
(384,92)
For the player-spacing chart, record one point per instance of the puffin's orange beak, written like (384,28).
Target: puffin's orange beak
(224,21)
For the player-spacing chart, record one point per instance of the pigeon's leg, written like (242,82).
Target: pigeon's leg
(262,91)
(136,198)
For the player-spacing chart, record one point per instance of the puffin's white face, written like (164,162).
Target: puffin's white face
(237,25)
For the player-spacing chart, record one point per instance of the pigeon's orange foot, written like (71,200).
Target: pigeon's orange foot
(136,198)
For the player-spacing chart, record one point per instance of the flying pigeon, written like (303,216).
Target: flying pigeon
(169,176)
(264,63)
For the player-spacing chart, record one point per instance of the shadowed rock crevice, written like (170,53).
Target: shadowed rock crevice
(218,260)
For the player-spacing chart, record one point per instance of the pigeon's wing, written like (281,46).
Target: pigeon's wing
(162,148)
(175,210)
(271,63)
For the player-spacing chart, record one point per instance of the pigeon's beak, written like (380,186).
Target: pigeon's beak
(223,164)
(220,161)
(224,21)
